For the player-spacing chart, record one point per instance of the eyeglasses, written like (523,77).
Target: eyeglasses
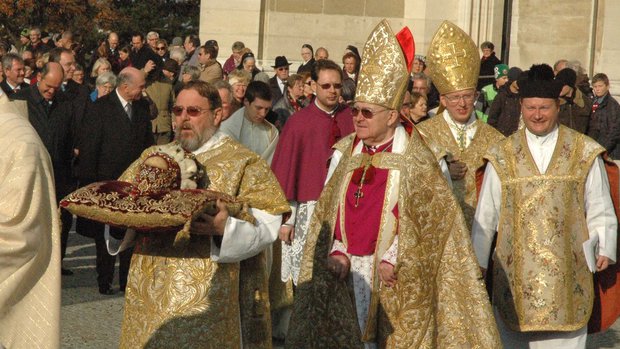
(161,48)
(407,105)
(328,86)
(282,69)
(177,110)
(366,113)
(470,97)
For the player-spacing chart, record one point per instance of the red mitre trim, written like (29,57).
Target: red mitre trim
(407,44)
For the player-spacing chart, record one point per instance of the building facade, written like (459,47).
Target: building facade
(523,31)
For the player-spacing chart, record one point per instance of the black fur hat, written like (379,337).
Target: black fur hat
(540,83)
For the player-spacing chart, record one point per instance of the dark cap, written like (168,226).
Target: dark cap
(212,43)
(539,83)
(281,61)
(171,65)
(567,76)
(514,73)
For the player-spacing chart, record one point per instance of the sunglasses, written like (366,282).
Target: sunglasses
(177,110)
(328,86)
(366,113)
(161,49)
(283,69)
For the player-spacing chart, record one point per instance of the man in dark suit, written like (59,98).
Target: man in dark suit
(118,129)
(54,120)
(113,54)
(144,58)
(278,82)
(13,67)
(77,95)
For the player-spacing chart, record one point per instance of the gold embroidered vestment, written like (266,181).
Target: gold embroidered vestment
(540,278)
(437,132)
(176,296)
(438,301)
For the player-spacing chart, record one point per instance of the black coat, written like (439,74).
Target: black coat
(605,126)
(276,94)
(487,68)
(308,67)
(141,57)
(109,141)
(505,111)
(8,90)
(54,124)
(575,111)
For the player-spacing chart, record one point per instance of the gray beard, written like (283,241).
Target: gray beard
(192,144)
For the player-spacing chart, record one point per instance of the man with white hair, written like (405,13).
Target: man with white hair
(388,260)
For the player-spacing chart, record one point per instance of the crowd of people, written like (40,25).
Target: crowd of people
(380,187)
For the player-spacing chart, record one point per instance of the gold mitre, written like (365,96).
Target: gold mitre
(384,70)
(453,61)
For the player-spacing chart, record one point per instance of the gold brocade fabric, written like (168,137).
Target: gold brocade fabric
(387,227)
(540,278)
(452,59)
(178,297)
(437,131)
(438,301)
(383,73)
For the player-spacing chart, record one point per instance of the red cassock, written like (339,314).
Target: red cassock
(606,286)
(362,222)
(300,161)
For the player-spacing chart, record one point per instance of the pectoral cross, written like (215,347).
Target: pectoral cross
(358,195)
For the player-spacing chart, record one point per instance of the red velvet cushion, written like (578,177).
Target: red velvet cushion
(122,204)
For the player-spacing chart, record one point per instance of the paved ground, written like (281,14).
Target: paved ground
(92,321)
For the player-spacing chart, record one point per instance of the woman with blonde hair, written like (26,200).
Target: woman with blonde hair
(239,80)
(101,65)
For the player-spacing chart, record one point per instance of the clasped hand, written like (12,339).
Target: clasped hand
(206,224)
(457,169)
(340,265)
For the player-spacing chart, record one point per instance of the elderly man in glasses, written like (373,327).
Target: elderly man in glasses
(214,291)
(388,261)
(116,129)
(459,137)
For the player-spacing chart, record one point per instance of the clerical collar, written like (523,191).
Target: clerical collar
(542,140)
(331,113)
(372,149)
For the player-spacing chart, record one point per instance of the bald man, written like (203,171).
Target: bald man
(113,56)
(117,129)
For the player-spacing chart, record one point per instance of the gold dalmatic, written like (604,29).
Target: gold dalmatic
(541,281)
(453,61)
(435,262)
(438,134)
(176,296)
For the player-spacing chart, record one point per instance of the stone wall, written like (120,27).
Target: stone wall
(279,27)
